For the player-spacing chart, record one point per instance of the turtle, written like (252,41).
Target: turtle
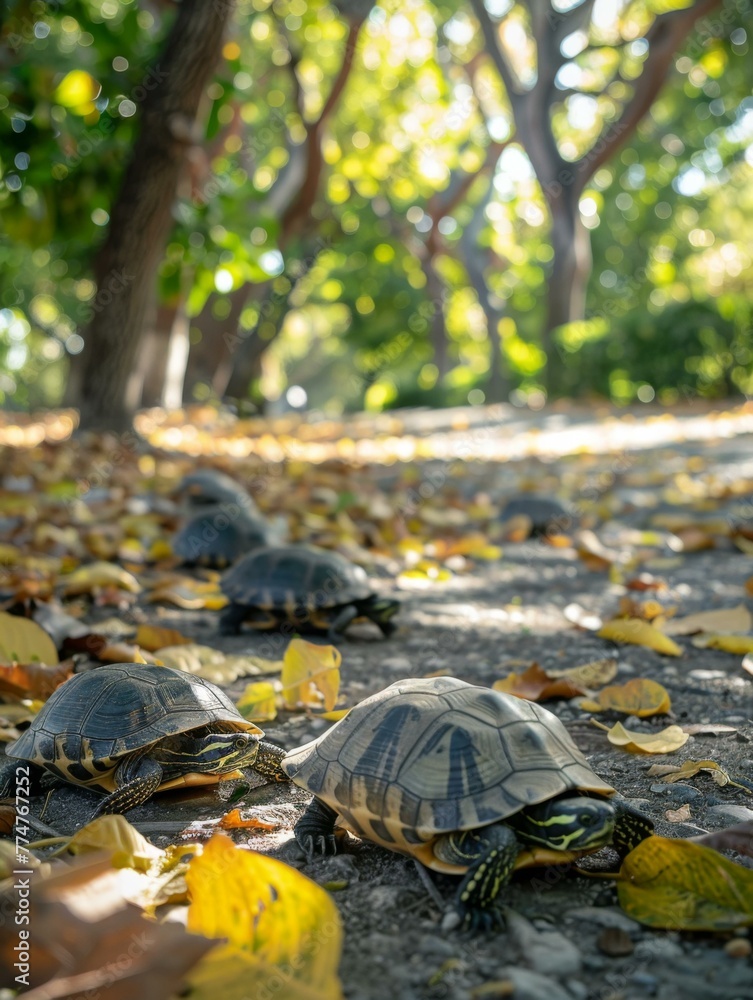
(224,523)
(209,487)
(310,588)
(128,729)
(219,536)
(465,779)
(547,515)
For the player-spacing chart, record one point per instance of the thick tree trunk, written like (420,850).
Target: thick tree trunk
(571,268)
(141,217)
(246,365)
(437,330)
(212,355)
(148,377)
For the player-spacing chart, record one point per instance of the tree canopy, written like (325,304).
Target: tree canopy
(380,204)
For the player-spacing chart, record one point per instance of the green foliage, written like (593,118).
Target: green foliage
(384,255)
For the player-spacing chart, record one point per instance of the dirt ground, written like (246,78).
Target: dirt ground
(562,927)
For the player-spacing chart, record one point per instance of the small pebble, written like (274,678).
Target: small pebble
(738,947)
(678,791)
(614,942)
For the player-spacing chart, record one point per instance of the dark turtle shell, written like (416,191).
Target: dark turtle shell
(546,514)
(94,719)
(435,755)
(208,486)
(218,537)
(277,578)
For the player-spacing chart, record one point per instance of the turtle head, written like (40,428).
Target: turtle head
(215,753)
(575,823)
(381,611)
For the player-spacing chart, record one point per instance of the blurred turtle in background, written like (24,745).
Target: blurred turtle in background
(224,522)
(546,515)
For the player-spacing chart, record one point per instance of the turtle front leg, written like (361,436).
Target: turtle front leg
(630,827)
(315,830)
(490,852)
(16,773)
(232,618)
(137,779)
(343,618)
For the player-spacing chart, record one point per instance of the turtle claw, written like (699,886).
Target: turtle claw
(317,845)
(473,920)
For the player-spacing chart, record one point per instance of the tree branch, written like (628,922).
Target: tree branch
(664,37)
(296,214)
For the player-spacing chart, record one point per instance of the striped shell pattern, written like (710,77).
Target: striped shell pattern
(436,755)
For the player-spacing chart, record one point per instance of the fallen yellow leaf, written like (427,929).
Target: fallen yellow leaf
(737,619)
(280,927)
(310,675)
(737,644)
(154,637)
(640,696)
(125,845)
(639,633)
(214,665)
(258,703)
(666,741)
(678,885)
(101,574)
(23,641)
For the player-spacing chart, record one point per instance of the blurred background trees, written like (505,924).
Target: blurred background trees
(372,205)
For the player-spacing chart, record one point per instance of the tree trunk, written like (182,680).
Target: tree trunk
(141,217)
(571,268)
(212,354)
(235,381)
(148,377)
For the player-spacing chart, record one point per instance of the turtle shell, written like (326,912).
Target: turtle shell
(435,755)
(209,486)
(94,719)
(216,538)
(280,578)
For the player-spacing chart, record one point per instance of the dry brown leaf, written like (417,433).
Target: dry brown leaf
(535,685)
(640,696)
(34,680)
(690,540)
(690,768)
(83,928)
(591,675)
(7,820)
(737,619)
(236,820)
(645,581)
(681,815)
